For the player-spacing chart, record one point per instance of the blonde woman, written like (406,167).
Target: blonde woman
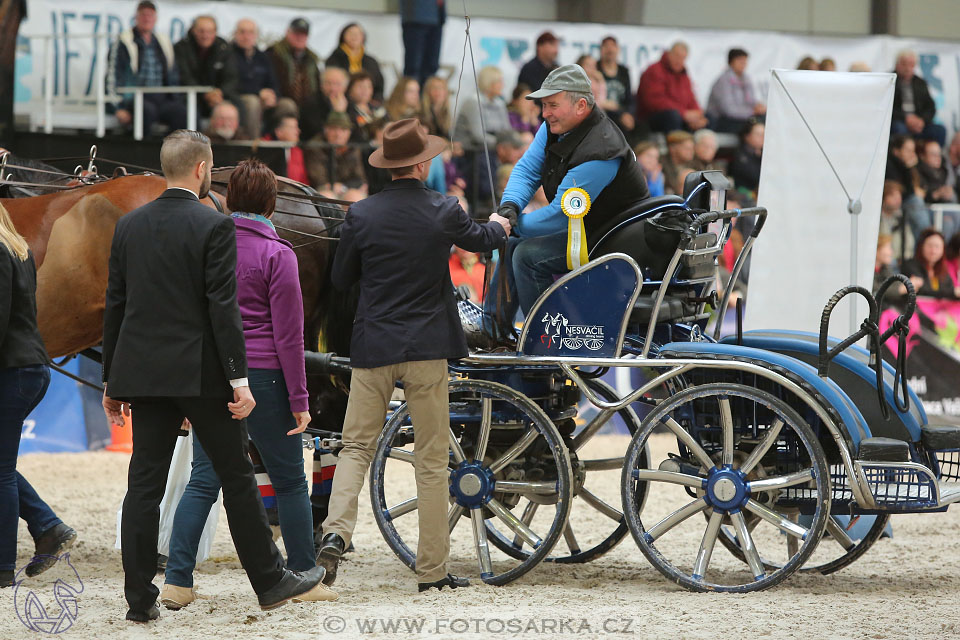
(24,379)
(470,130)
(436,107)
(404,101)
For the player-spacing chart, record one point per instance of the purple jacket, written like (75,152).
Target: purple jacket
(268,291)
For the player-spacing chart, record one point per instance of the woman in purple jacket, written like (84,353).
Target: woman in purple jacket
(268,292)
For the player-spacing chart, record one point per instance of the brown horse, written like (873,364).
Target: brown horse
(70,233)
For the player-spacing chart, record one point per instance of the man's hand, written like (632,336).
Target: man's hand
(503,222)
(694,119)
(626,119)
(914,122)
(114,409)
(123,116)
(303,419)
(268,98)
(214,97)
(510,211)
(243,403)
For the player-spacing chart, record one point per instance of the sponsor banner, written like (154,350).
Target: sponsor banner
(501,42)
(933,354)
(57,423)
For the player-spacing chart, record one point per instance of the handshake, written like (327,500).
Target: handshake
(506,216)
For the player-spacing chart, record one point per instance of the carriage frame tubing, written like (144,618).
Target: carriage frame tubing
(676,367)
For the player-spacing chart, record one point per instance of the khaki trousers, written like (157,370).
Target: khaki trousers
(425,390)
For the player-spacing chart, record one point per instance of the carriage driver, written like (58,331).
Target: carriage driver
(577,149)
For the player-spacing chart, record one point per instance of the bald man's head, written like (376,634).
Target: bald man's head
(246,33)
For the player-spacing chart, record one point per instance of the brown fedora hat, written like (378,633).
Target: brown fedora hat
(405,143)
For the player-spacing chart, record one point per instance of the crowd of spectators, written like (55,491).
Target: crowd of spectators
(919,217)
(330,113)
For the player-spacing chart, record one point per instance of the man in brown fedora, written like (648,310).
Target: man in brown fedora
(396,246)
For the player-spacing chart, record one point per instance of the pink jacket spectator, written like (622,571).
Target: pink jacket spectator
(661,89)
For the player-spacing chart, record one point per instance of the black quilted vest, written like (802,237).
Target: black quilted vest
(596,138)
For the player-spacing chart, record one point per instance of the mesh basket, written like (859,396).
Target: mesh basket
(902,488)
(948,461)
(471,315)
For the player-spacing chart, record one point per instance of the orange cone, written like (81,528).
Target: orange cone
(121,438)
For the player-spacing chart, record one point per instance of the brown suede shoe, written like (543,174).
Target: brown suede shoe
(176,598)
(319,593)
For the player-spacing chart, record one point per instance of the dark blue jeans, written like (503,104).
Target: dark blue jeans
(531,265)
(421,50)
(21,389)
(282,455)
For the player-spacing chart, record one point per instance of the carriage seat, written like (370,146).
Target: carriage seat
(674,308)
(643,208)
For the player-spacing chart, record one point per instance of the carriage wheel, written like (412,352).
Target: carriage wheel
(503,447)
(583,539)
(835,540)
(729,452)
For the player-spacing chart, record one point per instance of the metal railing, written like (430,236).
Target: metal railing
(100,61)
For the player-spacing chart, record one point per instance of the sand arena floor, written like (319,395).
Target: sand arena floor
(904,587)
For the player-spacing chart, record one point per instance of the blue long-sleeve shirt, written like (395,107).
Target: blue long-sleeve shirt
(592,176)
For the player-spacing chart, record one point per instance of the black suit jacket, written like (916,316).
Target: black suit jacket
(172,325)
(923,103)
(396,244)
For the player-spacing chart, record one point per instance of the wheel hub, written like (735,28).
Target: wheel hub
(726,489)
(471,484)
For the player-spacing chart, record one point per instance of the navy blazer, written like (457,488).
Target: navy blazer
(396,246)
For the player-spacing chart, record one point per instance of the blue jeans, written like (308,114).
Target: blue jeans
(21,389)
(930,131)
(531,265)
(917,214)
(421,50)
(282,455)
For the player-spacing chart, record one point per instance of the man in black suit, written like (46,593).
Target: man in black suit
(173,347)
(396,246)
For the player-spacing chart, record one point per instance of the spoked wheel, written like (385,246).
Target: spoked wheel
(730,453)
(837,549)
(503,448)
(596,523)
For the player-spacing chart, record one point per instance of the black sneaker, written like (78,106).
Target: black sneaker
(50,545)
(451,581)
(328,557)
(144,617)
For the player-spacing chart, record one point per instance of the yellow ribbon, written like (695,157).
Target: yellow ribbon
(575,204)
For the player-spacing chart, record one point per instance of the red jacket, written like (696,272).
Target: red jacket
(661,89)
(296,167)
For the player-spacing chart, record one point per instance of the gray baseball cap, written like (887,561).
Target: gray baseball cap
(569,77)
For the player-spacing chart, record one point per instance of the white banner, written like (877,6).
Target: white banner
(824,155)
(501,42)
